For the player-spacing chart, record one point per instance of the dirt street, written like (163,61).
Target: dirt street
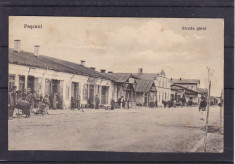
(125,130)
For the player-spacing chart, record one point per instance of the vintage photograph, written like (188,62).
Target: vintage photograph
(116,84)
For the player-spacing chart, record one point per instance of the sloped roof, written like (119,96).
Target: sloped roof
(147,76)
(185,81)
(45,62)
(176,87)
(144,85)
(118,77)
(202,90)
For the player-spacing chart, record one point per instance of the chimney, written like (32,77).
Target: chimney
(140,70)
(102,70)
(36,50)
(110,71)
(17,45)
(83,62)
(93,68)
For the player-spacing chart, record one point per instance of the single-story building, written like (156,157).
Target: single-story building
(123,84)
(52,76)
(146,93)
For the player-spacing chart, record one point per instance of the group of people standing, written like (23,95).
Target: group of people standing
(26,101)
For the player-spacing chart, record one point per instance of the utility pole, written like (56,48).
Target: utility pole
(208,107)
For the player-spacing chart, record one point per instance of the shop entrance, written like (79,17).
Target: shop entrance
(31,82)
(75,92)
(91,94)
(104,95)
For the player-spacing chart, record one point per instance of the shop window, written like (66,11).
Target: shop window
(85,92)
(11,81)
(21,83)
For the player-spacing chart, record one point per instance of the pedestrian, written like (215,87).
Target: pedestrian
(29,103)
(97,102)
(12,101)
(46,101)
(156,103)
(121,102)
(72,103)
(202,107)
(112,104)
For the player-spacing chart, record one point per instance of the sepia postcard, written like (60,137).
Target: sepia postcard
(116,84)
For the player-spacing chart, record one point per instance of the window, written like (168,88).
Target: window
(21,83)
(85,92)
(11,81)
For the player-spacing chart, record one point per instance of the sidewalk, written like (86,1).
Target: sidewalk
(215,143)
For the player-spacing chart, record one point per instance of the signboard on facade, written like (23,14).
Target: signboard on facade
(131,80)
(92,80)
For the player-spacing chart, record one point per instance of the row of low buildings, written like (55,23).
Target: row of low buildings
(49,75)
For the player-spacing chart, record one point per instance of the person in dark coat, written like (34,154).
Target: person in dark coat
(30,99)
(97,102)
(112,104)
(72,103)
(202,107)
(12,101)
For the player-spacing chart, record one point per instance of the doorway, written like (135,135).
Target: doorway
(104,95)
(75,92)
(31,81)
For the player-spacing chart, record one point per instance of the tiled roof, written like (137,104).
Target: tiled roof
(118,77)
(45,62)
(147,76)
(144,85)
(185,81)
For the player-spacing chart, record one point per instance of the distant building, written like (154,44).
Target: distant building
(146,93)
(187,89)
(123,84)
(161,83)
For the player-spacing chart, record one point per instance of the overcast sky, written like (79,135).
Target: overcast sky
(126,44)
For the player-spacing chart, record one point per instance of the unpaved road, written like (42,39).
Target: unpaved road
(133,130)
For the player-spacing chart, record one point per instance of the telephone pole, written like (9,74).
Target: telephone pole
(208,107)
